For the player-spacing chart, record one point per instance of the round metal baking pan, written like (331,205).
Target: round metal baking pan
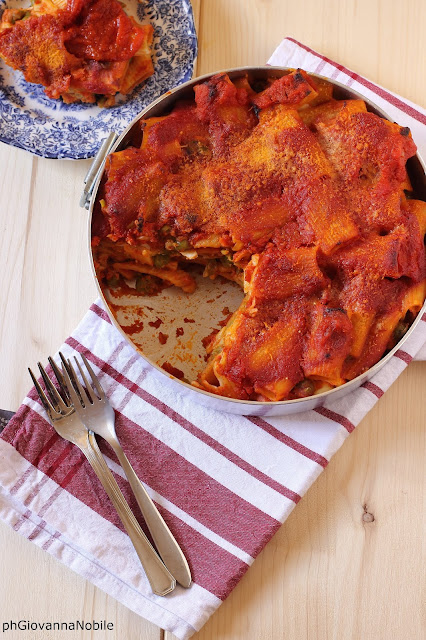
(184,319)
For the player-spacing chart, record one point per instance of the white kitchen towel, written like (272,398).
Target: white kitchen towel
(224,483)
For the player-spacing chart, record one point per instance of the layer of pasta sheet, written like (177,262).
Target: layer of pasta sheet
(302,199)
(79,50)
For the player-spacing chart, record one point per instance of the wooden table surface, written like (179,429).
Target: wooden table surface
(328,573)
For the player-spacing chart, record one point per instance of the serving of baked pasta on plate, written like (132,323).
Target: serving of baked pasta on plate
(62,62)
(300,198)
(79,50)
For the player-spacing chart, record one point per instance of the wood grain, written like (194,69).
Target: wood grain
(328,574)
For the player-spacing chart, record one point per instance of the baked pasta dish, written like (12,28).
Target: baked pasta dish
(300,198)
(79,50)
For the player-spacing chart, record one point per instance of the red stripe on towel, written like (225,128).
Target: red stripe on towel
(336,417)
(403,355)
(212,567)
(293,444)
(373,388)
(100,312)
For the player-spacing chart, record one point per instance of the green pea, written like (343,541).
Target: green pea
(304,389)
(141,284)
(195,147)
(226,261)
(114,281)
(182,245)
(400,330)
(161,259)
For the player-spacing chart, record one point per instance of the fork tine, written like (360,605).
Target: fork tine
(94,377)
(66,368)
(53,392)
(77,398)
(46,383)
(44,400)
(88,389)
(59,378)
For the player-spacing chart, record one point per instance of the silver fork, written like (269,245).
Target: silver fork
(69,426)
(98,415)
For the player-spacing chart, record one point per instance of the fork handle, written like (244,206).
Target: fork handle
(166,544)
(160,579)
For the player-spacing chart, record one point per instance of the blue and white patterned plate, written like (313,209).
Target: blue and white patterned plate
(52,129)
